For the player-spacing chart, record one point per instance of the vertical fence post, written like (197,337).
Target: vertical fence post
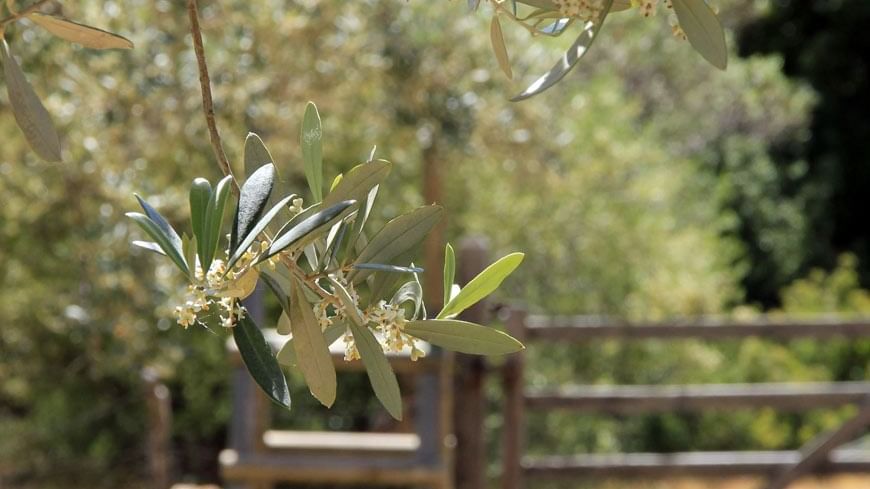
(514,415)
(468,380)
(158,404)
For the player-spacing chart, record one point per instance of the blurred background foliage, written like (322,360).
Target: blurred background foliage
(645,185)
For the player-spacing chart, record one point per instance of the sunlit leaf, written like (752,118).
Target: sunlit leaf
(150,246)
(287,354)
(312,153)
(214,218)
(501,55)
(387,268)
(189,246)
(411,291)
(171,249)
(704,30)
(358,182)
(378,368)
(200,198)
(463,337)
(396,238)
(256,154)
(307,230)
(258,228)
(30,114)
(253,197)
(449,271)
(569,59)
(260,361)
(482,285)
(87,36)
(312,351)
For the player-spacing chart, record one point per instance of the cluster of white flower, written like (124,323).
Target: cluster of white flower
(390,321)
(582,9)
(197,302)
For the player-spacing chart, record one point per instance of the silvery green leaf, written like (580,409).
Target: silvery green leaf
(150,246)
(397,237)
(312,350)
(214,218)
(569,59)
(173,251)
(200,198)
(378,368)
(258,228)
(703,29)
(30,114)
(387,268)
(463,337)
(449,271)
(253,197)
(312,153)
(308,229)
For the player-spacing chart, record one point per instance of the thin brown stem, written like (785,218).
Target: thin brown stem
(21,13)
(205,87)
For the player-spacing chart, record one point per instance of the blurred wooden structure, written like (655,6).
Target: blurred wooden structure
(781,466)
(260,457)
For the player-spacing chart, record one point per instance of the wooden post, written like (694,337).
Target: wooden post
(159,440)
(514,417)
(816,451)
(470,404)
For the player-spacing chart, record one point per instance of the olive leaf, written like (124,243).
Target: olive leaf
(387,268)
(200,197)
(357,183)
(449,271)
(501,55)
(482,285)
(253,197)
(307,230)
(30,114)
(260,361)
(463,337)
(87,36)
(397,237)
(569,59)
(312,351)
(310,138)
(214,217)
(703,29)
(170,248)
(258,228)
(287,354)
(411,291)
(150,246)
(256,154)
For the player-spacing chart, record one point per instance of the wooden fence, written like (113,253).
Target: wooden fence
(782,467)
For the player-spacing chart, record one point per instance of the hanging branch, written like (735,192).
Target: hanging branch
(205,87)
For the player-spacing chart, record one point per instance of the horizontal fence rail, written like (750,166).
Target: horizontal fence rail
(582,328)
(782,466)
(633,399)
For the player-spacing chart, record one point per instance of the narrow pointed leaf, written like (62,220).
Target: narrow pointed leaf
(307,230)
(351,310)
(287,354)
(260,361)
(256,154)
(358,182)
(253,197)
(378,368)
(396,238)
(482,285)
(150,246)
(449,271)
(170,249)
(87,36)
(312,152)
(463,337)
(569,59)
(258,228)
(411,291)
(189,246)
(29,113)
(165,228)
(200,197)
(501,55)
(214,218)
(312,351)
(387,268)
(704,30)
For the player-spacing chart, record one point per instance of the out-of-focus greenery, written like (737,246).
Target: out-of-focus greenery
(638,186)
